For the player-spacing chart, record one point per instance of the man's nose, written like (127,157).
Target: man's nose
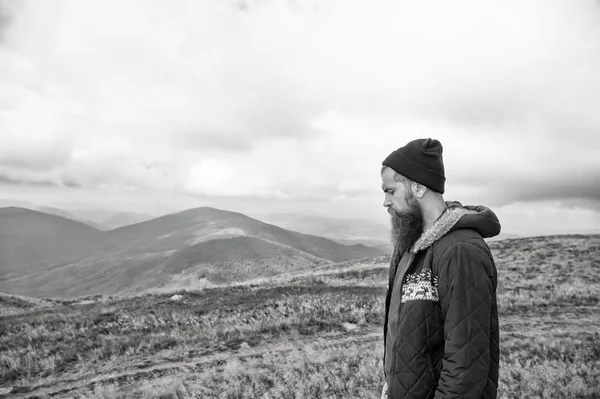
(387,203)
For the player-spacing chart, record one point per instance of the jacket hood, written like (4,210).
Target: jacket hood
(456,216)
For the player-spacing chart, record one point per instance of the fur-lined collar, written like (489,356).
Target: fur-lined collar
(440,227)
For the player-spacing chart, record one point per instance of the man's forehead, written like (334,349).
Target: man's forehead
(388,176)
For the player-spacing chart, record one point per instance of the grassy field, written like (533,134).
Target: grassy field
(303,336)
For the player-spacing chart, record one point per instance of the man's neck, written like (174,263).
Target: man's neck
(432,212)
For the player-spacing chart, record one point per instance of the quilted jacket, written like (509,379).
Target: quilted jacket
(441,330)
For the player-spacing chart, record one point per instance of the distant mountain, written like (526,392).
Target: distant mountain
(208,243)
(386,248)
(68,215)
(30,239)
(503,236)
(122,219)
(108,219)
(200,224)
(6,203)
(99,219)
(343,230)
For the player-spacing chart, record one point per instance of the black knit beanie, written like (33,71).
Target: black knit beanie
(421,161)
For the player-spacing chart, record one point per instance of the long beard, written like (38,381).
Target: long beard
(407,227)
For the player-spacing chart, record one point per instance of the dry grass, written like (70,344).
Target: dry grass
(310,337)
(83,339)
(314,371)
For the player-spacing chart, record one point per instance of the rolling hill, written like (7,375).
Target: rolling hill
(30,240)
(100,219)
(68,215)
(205,244)
(193,226)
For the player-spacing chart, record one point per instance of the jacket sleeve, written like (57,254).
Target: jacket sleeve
(466,293)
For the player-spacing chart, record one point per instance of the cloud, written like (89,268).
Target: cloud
(302,100)
(21,179)
(558,218)
(35,154)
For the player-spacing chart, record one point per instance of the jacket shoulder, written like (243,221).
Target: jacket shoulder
(465,237)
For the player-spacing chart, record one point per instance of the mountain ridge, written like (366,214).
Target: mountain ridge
(208,236)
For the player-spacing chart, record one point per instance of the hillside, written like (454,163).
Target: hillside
(30,239)
(211,262)
(305,335)
(182,229)
(211,244)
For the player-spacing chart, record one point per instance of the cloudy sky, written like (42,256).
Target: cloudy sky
(257,106)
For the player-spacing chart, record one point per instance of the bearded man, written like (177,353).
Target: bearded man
(441,334)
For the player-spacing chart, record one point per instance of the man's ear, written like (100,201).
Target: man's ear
(418,190)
